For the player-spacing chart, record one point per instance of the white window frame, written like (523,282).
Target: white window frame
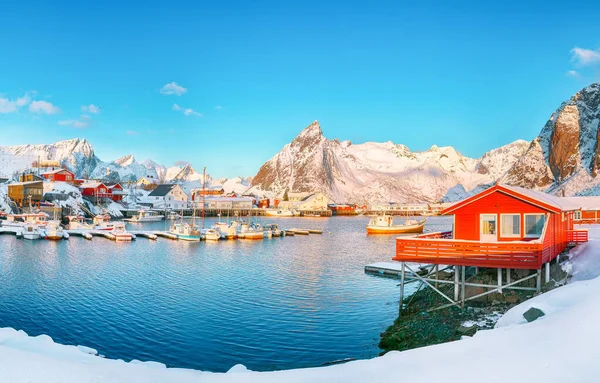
(525,225)
(501,235)
(577,215)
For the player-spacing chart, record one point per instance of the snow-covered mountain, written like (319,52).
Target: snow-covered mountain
(565,158)
(380,171)
(78,156)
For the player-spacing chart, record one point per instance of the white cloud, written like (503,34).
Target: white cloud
(43,107)
(91,108)
(572,73)
(131,132)
(583,56)
(191,112)
(218,107)
(74,123)
(10,106)
(186,111)
(173,88)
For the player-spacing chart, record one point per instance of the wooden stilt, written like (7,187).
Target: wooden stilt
(507,276)
(538,281)
(402,274)
(456,273)
(437,275)
(500,281)
(462,290)
(547,279)
(476,270)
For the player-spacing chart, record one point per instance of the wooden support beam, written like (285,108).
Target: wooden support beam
(462,293)
(507,275)
(547,279)
(538,281)
(500,281)
(456,274)
(401,290)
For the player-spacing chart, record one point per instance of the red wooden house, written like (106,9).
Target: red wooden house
(94,189)
(116,191)
(588,209)
(59,175)
(501,227)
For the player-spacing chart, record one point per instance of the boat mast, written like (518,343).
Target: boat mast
(203,193)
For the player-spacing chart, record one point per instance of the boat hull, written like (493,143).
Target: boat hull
(396,229)
(189,238)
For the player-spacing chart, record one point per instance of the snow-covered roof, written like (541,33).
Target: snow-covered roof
(584,203)
(25,183)
(229,199)
(563,203)
(93,185)
(57,171)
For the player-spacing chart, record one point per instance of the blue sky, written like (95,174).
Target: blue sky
(474,76)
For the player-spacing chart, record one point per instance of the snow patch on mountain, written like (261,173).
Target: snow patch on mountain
(374,171)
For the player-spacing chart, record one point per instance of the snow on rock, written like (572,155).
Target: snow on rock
(372,171)
(565,158)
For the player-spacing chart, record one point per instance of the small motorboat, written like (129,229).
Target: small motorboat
(280,213)
(384,224)
(54,231)
(120,232)
(78,223)
(186,232)
(145,216)
(173,216)
(31,231)
(211,234)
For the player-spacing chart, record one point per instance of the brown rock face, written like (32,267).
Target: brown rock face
(564,144)
(596,161)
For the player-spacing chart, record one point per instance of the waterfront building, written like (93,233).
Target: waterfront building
(168,196)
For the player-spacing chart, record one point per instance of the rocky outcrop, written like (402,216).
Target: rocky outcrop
(565,157)
(379,171)
(564,144)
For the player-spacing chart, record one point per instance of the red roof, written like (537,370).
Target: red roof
(543,200)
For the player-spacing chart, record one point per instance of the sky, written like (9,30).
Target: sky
(227,84)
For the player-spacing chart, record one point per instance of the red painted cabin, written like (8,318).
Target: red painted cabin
(62,175)
(115,191)
(94,189)
(501,227)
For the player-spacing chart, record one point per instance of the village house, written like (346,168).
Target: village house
(303,202)
(588,209)
(168,196)
(503,228)
(28,177)
(23,193)
(61,175)
(147,181)
(228,203)
(116,191)
(94,190)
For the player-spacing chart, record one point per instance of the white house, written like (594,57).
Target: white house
(305,201)
(168,196)
(227,203)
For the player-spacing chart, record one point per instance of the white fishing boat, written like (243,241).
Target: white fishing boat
(280,213)
(384,224)
(54,231)
(145,216)
(120,232)
(173,216)
(227,230)
(31,231)
(21,220)
(210,234)
(186,231)
(78,223)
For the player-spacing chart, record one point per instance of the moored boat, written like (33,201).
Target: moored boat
(120,232)
(145,216)
(185,231)
(210,234)
(54,231)
(31,231)
(173,216)
(280,213)
(384,224)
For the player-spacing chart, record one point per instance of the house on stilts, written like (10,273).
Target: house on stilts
(503,228)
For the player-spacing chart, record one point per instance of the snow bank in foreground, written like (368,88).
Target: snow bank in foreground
(559,347)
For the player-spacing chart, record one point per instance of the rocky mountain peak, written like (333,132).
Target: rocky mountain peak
(125,160)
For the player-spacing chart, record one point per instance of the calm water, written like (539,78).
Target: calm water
(274,304)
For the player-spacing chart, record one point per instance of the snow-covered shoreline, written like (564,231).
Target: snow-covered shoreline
(559,347)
